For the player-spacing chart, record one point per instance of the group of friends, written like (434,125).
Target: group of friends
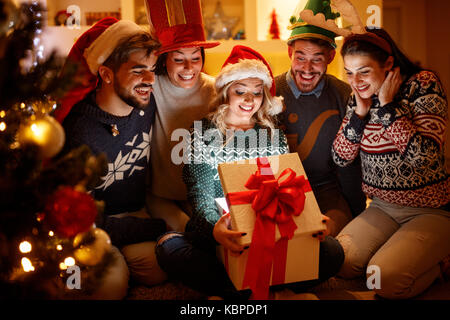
(379,137)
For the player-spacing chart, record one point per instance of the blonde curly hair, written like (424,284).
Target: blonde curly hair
(219,106)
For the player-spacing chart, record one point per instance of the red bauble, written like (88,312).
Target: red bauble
(69,212)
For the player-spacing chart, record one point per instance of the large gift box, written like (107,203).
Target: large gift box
(270,200)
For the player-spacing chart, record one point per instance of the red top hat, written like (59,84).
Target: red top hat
(177,24)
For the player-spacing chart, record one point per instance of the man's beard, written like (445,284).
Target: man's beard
(129,98)
(308,87)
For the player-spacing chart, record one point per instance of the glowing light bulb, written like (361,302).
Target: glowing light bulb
(25,247)
(69,261)
(51,233)
(27,265)
(2,126)
(2,114)
(62,266)
(59,247)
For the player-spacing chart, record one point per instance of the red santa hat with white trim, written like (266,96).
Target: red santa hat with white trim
(90,51)
(243,63)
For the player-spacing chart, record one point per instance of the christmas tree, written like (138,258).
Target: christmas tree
(274,30)
(49,246)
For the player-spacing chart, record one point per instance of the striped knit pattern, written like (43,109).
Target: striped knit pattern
(401,145)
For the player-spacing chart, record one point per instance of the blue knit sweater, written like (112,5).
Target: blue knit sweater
(126,143)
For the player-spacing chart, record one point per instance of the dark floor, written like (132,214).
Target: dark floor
(333,289)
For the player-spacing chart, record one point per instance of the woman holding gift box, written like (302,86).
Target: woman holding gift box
(396,122)
(240,126)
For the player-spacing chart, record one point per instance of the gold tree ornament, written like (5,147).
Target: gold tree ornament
(91,246)
(45,132)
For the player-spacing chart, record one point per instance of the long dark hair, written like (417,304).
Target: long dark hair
(356,45)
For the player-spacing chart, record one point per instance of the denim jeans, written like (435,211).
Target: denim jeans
(197,267)
(200,269)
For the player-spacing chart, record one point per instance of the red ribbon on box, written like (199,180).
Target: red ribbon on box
(274,201)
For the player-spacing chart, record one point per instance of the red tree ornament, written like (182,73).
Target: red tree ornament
(274,28)
(69,212)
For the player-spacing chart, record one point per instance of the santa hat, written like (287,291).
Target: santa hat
(90,51)
(177,24)
(243,63)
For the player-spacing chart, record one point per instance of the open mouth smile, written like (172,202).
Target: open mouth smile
(186,77)
(363,88)
(246,108)
(143,91)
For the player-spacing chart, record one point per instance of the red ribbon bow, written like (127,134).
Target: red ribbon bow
(275,202)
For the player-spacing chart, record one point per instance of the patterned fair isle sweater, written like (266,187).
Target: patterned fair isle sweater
(202,178)
(401,145)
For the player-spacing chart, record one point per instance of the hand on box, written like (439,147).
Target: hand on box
(226,237)
(322,234)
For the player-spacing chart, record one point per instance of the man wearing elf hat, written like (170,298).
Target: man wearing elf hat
(182,93)
(315,106)
(112,112)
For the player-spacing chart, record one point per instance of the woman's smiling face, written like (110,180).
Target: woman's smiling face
(245,97)
(365,74)
(184,66)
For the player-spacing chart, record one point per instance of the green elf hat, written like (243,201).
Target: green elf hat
(301,29)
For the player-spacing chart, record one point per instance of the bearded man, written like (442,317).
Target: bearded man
(112,112)
(315,106)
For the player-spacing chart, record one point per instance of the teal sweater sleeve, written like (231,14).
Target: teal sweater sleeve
(200,183)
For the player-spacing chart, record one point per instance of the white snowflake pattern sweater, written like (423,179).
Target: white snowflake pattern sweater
(123,188)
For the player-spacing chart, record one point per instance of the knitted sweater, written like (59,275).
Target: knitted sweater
(401,144)
(201,175)
(311,124)
(177,109)
(123,188)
